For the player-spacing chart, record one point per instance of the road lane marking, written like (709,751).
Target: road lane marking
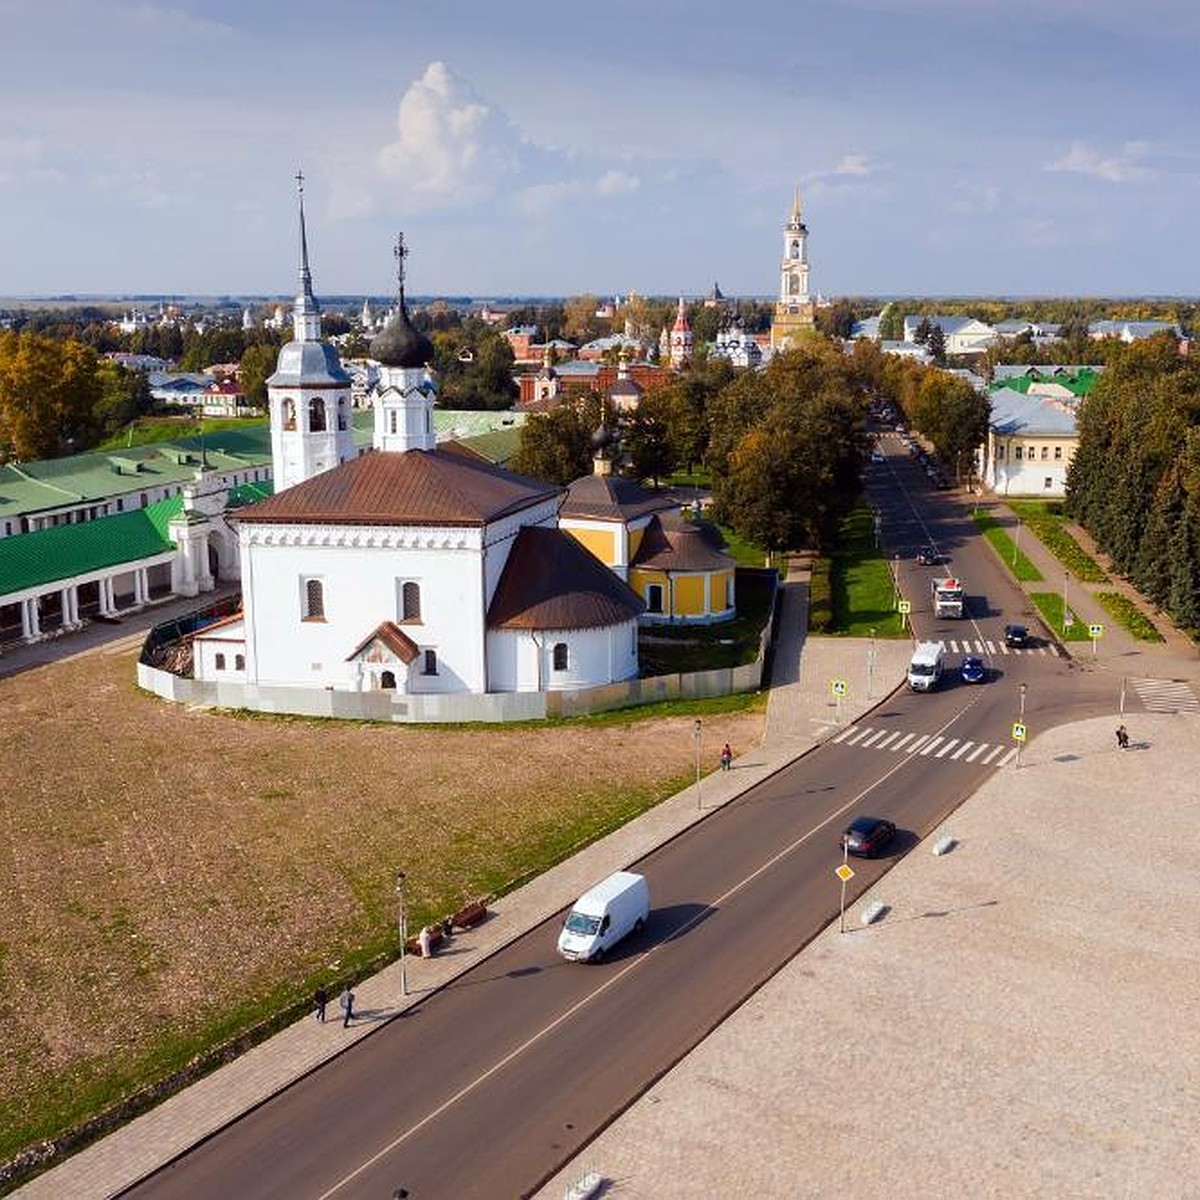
(932,744)
(1008,757)
(996,750)
(908,737)
(858,736)
(867,741)
(891,737)
(918,743)
(976,752)
(946,748)
(841,737)
(961,750)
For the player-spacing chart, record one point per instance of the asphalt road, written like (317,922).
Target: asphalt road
(491,1084)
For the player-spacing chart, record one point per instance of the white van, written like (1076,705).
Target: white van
(603,915)
(925,669)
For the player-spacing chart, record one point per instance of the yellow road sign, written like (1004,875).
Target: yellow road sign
(1095,631)
(905,606)
(838,687)
(845,873)
(1018,731)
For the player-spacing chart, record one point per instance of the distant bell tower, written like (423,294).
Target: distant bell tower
(794,308)
(309,394)
(682,343)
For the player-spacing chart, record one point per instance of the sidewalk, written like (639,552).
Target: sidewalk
(799,711)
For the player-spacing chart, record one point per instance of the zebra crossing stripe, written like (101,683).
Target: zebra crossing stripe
(891,737)
(908,737)
(858,737)
(995,750)
(841,737)
(1008,757)
(936,741)
(1166,695)
(873,738)
(918,743)
(946,748)
(961,750)
(990,648)
(976,752)
(1004,648)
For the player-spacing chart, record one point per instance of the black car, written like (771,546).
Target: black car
(866,836)
(928,556)
(1016,635)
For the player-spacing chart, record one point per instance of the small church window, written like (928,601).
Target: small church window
(430,662)
(341,414)
(561,656)
(239,662)
(314,600)
(410,601)
(654,598)
(387,681)
(220,662)
(289,413)
(316,415)
(393,421)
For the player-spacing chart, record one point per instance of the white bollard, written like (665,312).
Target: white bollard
(873,911)
(944,845)
(587,1186)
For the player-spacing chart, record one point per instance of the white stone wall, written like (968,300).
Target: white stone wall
(522,661)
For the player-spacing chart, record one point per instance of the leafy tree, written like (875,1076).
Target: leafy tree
(891,324)
(49,394)
(257,366)
(557,446)
(646,437)
(922,332)
(936,345)
(580,323)
(837,320)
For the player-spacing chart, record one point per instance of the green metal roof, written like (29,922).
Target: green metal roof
(32,559)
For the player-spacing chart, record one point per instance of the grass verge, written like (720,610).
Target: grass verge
(1045,519)
(1007,549)
(1129,617)
(853,591)
(1050,605)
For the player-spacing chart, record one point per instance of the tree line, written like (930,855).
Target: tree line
(1134,482)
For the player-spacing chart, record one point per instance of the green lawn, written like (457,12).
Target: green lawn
(1050,605)
(862,594)
(146,430)
(1006,548)
(1046,519)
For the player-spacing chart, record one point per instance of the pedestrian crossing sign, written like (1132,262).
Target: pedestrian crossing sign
(904,607)
(1095,631)
(838,687)
(1018,731)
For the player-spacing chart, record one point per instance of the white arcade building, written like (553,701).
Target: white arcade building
(409,572)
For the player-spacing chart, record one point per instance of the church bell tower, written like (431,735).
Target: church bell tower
(794,308)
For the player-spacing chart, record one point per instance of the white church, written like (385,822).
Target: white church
(409,576)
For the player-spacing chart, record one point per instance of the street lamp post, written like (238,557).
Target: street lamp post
(402,924)
(871,667)
(1023,687)
(697,730)
(1016,545)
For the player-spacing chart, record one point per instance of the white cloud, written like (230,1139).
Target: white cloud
(974,198)
(452,147)
(854,164)
(1081,159)
(617,183)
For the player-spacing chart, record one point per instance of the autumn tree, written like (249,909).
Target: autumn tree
(557,446)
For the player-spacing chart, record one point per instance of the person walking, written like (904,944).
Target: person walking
(320,1000)
(347,1003)
(726,757)
(1122,738)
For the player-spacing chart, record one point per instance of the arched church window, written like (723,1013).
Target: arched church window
(793,284)
(220,662)
(430,662)
(410,602)
(341,414)
(239,662)
(316,415)
(314,600)
(561,656)
(387,681)
(288,412)
(795,249)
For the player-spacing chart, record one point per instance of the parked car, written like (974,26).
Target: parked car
(928,556)
(866,836)
(973,669)
(877,456)
(1016,635)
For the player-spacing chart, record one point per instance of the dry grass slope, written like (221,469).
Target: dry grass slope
(171,874)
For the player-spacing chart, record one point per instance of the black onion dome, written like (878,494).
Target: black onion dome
(400,345)
(602,438)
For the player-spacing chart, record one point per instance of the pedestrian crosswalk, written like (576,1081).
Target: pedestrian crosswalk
(925,745)
(1166,695)
(987,646)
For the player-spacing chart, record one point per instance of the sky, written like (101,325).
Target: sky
(942,147)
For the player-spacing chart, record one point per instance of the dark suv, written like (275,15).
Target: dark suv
(1016,635)
(866,836)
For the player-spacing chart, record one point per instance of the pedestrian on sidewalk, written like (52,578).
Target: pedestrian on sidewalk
(347,1003)
(320,1000)
(726,757)
(424,941)
(1122,738)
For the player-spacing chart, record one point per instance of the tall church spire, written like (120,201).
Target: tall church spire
(306,315)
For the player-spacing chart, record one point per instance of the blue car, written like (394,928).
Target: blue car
(973,670)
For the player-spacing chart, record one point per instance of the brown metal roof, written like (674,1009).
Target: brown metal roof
(393,637)
(416,487)
(552,582)
(672,544)
(609,497)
